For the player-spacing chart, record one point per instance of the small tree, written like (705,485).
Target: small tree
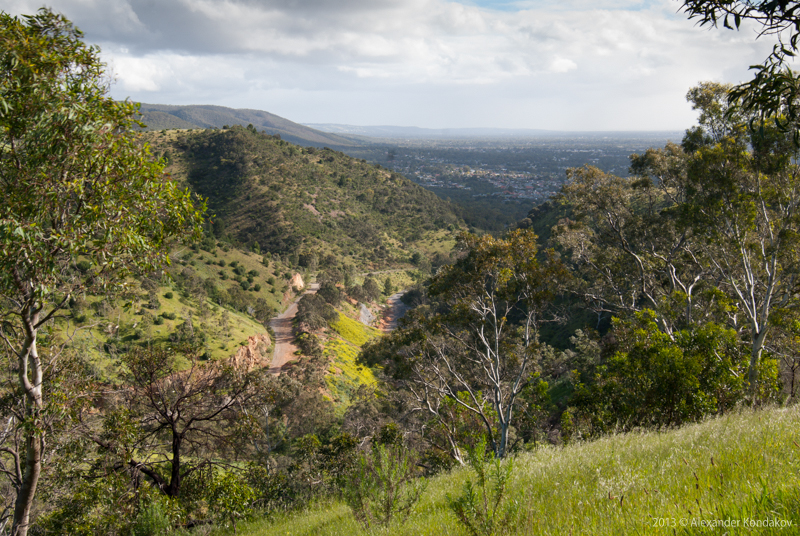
(76,185)
(382,486)
(196,406)
(388,287)
(481,508)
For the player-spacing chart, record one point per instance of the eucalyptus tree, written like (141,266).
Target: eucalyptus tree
(75,185)
(774,91)
(706,232)
(482,348)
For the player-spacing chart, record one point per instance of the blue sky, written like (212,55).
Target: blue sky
(549,64)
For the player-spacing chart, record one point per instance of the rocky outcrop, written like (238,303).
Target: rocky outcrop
(255,354)
(365,316)
(297,282)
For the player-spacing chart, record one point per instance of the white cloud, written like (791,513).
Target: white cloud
(593,64)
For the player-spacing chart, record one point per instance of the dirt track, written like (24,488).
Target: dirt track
(282,326)
(394,312)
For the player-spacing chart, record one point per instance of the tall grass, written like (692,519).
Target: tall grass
(737,469)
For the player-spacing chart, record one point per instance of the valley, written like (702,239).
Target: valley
(225,322)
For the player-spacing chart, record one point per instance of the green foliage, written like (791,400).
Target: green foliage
(371,289)
(258,187)
(314,312)
(773,91)
(652,379)
(77,184)
(480,506)
(153,519)
(231,497)
(382,487)
(388,287)
(330,293)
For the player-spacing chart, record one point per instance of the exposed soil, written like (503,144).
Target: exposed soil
(284,337)
(395,309)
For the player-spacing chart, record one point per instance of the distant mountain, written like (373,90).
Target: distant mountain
(167,116)
(395,132)
(386,131)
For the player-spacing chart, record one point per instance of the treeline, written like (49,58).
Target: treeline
(651,301)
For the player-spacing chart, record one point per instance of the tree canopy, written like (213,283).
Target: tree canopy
(77,186)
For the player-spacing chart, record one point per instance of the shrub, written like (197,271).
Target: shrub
(231,498)
(330,293)
(83,266)
(168,295)
(479,506)
(382,486)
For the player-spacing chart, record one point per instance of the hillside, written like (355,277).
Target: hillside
(740,469)
(167,116)
(268,195)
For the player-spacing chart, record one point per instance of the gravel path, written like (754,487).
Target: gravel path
(282,326)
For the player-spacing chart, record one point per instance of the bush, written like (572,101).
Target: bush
(168,295)
(650,379)
(371,289)
(169,316)
(83,266)
(479,506)
(231,498)
(151,520)
(330,293)
(382,486)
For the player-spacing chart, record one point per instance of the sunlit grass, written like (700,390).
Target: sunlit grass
(345,376)
(354,331)
(737,468)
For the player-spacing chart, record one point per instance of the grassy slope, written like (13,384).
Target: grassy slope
(344,375)
(94,333)
(621,484)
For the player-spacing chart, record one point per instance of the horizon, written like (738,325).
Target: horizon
(574,65)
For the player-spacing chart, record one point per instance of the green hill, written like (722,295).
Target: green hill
(268,195)
(276,209)
(168,116)
(740,469)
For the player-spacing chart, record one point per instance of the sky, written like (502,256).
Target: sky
(580,65)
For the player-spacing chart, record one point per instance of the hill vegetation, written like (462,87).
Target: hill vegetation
(270,196)
(134,303)
(734,474)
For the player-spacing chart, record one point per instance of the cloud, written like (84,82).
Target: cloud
(483,63)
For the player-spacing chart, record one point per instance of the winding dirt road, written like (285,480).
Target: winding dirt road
(282,326)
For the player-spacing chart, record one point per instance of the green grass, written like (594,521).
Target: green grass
(95,328)
(737,467)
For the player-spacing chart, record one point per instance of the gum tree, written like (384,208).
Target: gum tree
(705,232)
(75,186)
(482,349)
